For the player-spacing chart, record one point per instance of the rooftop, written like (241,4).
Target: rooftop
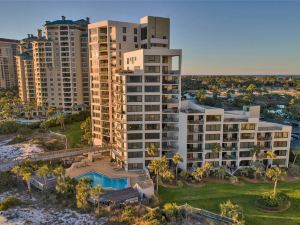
(120,195)
(9,40)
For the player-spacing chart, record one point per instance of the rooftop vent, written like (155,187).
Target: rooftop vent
(63,17)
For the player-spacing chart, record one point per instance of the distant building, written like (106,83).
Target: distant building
(53,69)
(8,69)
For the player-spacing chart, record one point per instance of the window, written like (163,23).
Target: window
(124,30)
(134,108)
(133,79)
(135,145)
(150,108)
(135,38)
(134,98)
(136,136)
(152,126)
(134,89)
(152,136)
(135,154)
(247,135)
(134,30)
(124,38)
(281,135)
(152,69)
(246,144)
(152,98)
(213,118)
(152,88)
(210,137)
(152,79)
(134,127)
(280,144)
(135,166)
(213,127)
(152,59)
(152,117)
(248,126)
(134,117)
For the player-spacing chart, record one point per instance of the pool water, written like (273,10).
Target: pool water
(104,181)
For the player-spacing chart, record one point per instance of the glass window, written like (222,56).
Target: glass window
(152,88)
(134,98)
(152,98)
(152,117)
(152,79)
(149,108)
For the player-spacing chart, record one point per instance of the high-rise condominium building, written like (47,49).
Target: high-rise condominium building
(59,65)
(108,41)
(8,71)
(136,103)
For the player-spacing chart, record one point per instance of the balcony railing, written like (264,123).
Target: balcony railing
(174,138)
(194,150)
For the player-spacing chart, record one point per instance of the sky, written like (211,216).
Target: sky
(216,36)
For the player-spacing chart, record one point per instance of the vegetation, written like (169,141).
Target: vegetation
(7,182)
(87,136)
(82,192)
(211,194)
(233,211)
(275,174)
(9,202)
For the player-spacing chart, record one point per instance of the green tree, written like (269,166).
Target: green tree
(50,111)
(43,171)
(158,167)
(200,95)
(176,160)
(198,173)
(152,150)
(255,150)
(95,193)
(82,193)
(251,88)
(170,210)
(87,136)
(60,119)
(59,172)
(26,174)
(216,149)
(233,211)
(275,174)
(17,171)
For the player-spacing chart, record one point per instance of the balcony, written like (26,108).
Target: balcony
(194,150)
(170,81)
(171,72)
(196,140)
(232,129)
(229,148)
(170,110)
(195,130)
(193,159)
(170,119)
(170,91)
(264,138)
(170,129)
(171,100)
(231,139)
(170,147)
(173,138)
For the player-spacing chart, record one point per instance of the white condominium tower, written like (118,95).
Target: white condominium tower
(108,41)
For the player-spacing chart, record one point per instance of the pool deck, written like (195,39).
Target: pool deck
(105,167)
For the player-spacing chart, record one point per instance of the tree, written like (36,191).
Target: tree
(43,171)
(198,173)
(207,167)
(170,210)
(216,149)
(60,119)
(26,175)
(95,193)
(176,160)
(251,88)
(275,174)
(152,150)
(82,193)
(59,172)
(255,150)
(221,172)
(233,211)
(158,167)
(66,187)
(200,95)
(270,155)
(17,171)
(87,136)
(51,111)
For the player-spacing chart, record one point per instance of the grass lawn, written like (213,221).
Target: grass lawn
(210,195)
(73,133)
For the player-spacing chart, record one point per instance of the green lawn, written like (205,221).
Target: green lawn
(212,194)
(73,133)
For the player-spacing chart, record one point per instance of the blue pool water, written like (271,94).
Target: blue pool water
(104,181)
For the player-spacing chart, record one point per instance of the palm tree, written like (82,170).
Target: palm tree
(152,150)
(60,172)
(270,155)
(176,160)
(95,193)
(17,171)
(43,171)
(158,167)
(254,152)
(60,119)
(275,174)
(207,167)
(82,192)
(198,173)
(233,211)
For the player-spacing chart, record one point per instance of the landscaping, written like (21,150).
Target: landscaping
(245,194)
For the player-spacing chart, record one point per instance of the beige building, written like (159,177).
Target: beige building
(8,69)
(202,128)
(59,65)
(108,41)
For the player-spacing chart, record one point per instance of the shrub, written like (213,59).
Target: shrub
(246,172)
(53,144)
(18,139)
(8,127)
(128,215)
(8,202)
(268,199)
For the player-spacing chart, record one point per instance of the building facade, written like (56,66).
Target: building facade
(59,65)
(8,68)
(225,138)
(108,41)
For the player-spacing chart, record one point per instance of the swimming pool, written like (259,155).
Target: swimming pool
(104,181)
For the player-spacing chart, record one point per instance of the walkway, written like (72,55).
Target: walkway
(10,163)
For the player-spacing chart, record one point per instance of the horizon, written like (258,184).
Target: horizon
(217,37)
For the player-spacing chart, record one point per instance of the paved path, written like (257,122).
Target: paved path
(10,163)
